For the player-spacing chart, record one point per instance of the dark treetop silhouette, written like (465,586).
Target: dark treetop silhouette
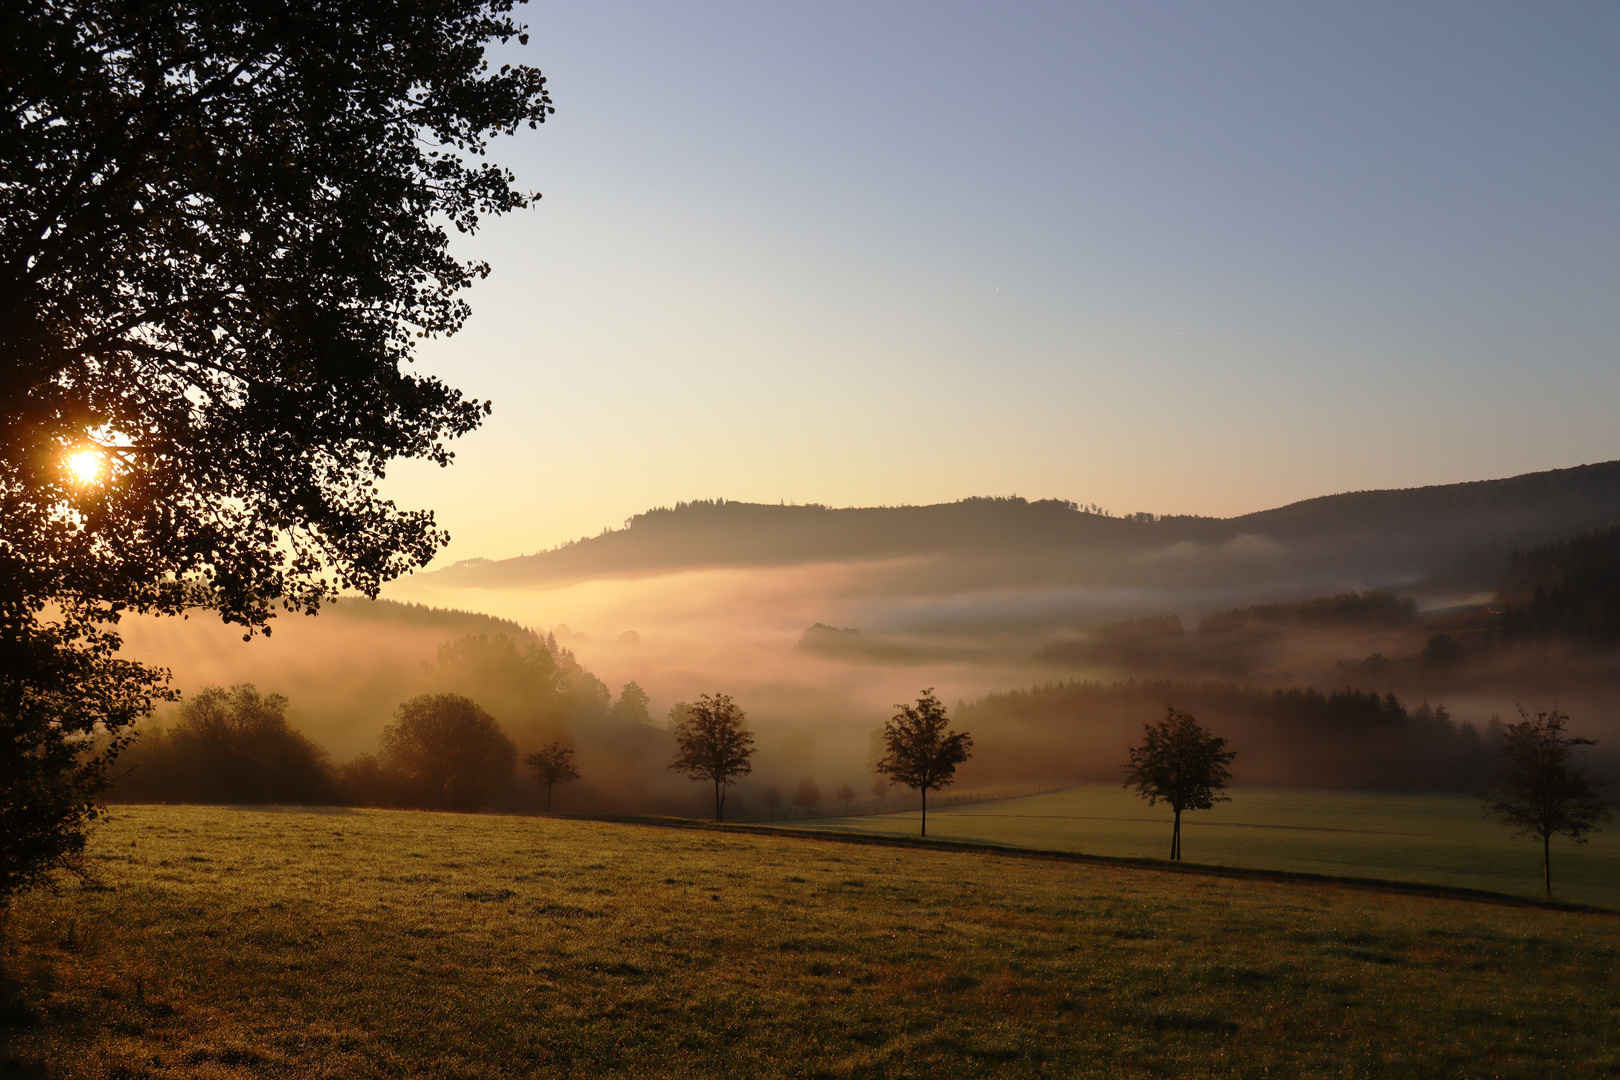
(1540,791)
(449,753)
(919,750)
(1182,764)
(228,746)
(552,764)
(712,744)
(222,229)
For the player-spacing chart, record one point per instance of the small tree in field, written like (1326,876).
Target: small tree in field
(846,795)
(1182,764)
(1540,792)
(553,764)
(919,751)
(712,744)
(808,795)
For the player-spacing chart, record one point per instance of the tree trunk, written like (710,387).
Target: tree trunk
(1546,862)
(1175,839)
(719,804)
(925,811)
(548,798)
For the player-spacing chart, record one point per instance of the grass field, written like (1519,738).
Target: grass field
(248,942)
(1431,839)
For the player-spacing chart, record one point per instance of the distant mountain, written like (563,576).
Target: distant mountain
(721,533)
(1451,535)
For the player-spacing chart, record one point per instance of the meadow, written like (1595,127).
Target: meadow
(1429,839)
(354,943)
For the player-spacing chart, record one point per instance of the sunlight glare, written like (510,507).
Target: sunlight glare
(86,466)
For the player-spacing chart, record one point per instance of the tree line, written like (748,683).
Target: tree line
(1570,588)
(445,752)
(441,752)
(1347,738)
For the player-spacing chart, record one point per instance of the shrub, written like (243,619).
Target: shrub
(228,746)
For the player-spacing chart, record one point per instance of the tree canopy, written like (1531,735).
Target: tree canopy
(228,746)
(631,708)
(712,744)
(223,229)
(552,764)
(919,750)
(1541,792)
(1181,764)
(449,752)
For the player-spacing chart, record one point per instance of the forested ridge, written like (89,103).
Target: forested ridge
(1567,588)
(1452,530)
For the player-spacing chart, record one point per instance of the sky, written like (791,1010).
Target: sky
(1165,257)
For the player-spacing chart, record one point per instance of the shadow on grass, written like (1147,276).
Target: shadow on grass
(1383,885)
(18,1013)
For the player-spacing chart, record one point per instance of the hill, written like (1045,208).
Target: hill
(346,671)
(383,944)
(1455,533)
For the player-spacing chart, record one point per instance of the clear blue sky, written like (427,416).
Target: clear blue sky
(1180,257)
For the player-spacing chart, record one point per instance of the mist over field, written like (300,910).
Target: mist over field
(1053,632)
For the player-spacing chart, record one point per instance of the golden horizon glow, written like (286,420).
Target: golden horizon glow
(86,467)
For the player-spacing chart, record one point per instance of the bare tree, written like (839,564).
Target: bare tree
(712,744)
(553,764)
(1540,791)
(918,750)
(1182,764)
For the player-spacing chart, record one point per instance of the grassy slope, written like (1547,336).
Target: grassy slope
(373,943)
(1433,839)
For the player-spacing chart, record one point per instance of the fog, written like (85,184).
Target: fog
(819,650)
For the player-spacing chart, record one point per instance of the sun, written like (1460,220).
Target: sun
(86,466)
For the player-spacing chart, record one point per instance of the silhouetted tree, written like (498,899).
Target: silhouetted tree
(772,797)
(631,708)
(919,751)
(449,752)
(712,744)
(880,786)
(808,795)
(223,228)
(229,746)
(1541,793)
(1442,650)
(1182,764)
(552,764)
(846,795)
